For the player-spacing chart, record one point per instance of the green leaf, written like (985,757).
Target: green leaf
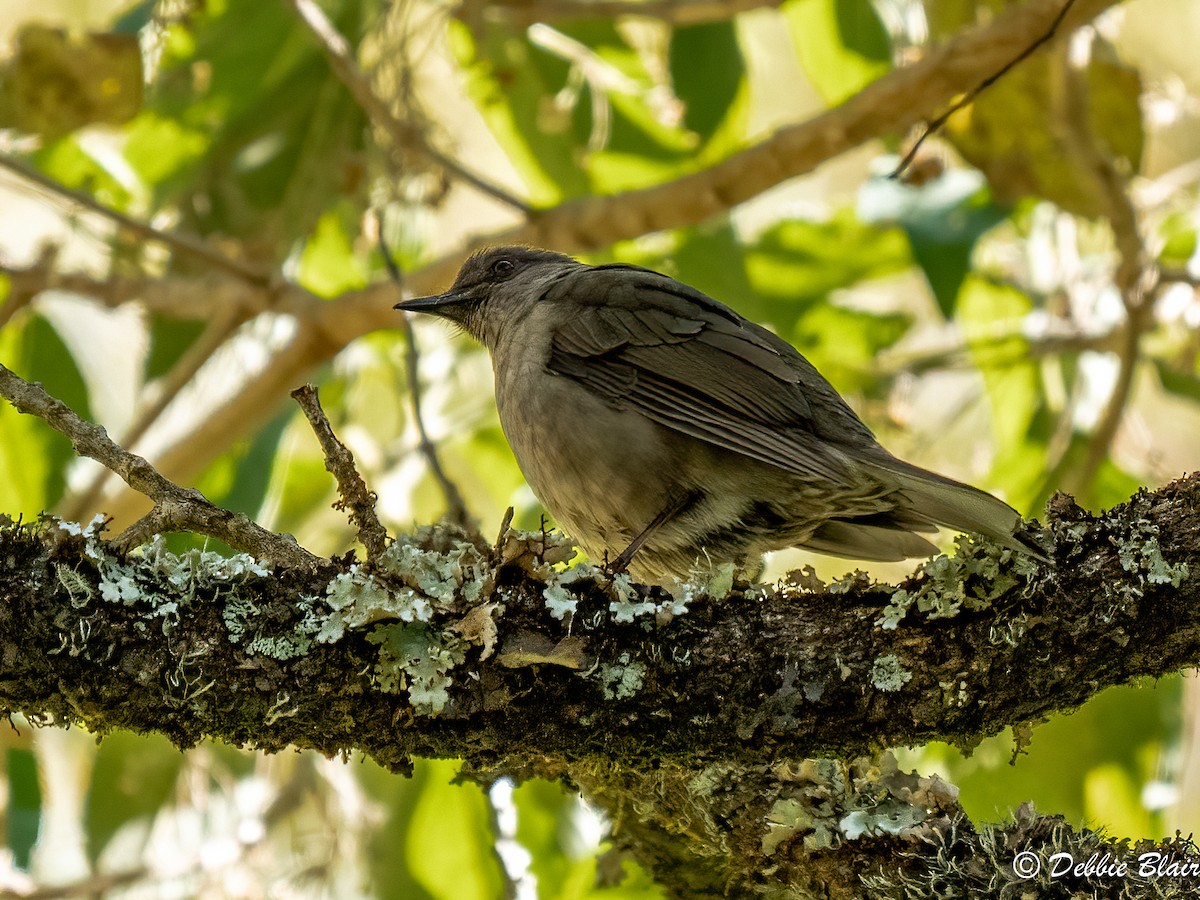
(285,139)
(1014,132)
(133,777)
(842,44)
(68,163)
(1178,233)
(24,806)
(33,456)
(329,264)
(943,220)
(514,86)
(449,843)
(707,73)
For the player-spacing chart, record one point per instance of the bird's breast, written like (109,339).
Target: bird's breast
(602,472)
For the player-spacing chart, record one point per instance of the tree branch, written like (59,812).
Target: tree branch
(687,707)
(180,243)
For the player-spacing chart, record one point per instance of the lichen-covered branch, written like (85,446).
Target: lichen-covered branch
(520,666)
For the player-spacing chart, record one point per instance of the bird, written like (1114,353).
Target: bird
(662,430)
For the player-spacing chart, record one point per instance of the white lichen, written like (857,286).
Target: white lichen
(887,674)
(621,679)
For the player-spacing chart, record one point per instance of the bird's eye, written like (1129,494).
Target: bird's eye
(503,267)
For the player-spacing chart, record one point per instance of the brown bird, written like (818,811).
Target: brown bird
(660,427)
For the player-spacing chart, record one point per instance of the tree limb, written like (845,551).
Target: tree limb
(630,695)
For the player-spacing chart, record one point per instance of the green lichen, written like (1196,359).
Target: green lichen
(621,679)
(979,573)
(417,659)
(458,573)
(887,674)
(626,605)
(890,816)
(1141,555)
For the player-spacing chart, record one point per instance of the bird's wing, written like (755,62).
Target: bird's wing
(650,344)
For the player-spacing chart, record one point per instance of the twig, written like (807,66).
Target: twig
(968,98)
(456,507)
(346,69)
(175,508)
(182,243)
(498,547)
(339,462)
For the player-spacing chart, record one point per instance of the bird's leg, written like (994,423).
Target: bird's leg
(677,502)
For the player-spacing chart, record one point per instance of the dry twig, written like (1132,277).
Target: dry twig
(339,462)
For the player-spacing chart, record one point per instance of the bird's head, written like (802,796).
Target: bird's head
(494,288)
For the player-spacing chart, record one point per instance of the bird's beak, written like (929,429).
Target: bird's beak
(434,304)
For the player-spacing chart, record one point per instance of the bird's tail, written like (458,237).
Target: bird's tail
(956,505)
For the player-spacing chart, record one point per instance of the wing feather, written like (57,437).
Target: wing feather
(649,344)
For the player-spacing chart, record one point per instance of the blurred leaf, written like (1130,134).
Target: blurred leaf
(794,264)
(1014,132)
(943,218)
(33,456)
(707,73)
(842,44)
(1010,374)
(165,151)
(514,86)
(170,338)
(68,163)
(1185,384)
(1118,728)
(58,81)
(329,264)
(844,343)
(1178,233)
(947,17)
(134,776)
(543,812)
(390,875)
(449,845)
(24,806)
(1113,795)
(285,139)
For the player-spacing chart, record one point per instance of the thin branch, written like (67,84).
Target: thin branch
(456,506)
(198,297)
(346,69)
(175,508)
(672,12)
(178,242)
(339,462)
(969,97)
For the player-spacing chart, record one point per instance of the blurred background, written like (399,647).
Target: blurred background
(192,198)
